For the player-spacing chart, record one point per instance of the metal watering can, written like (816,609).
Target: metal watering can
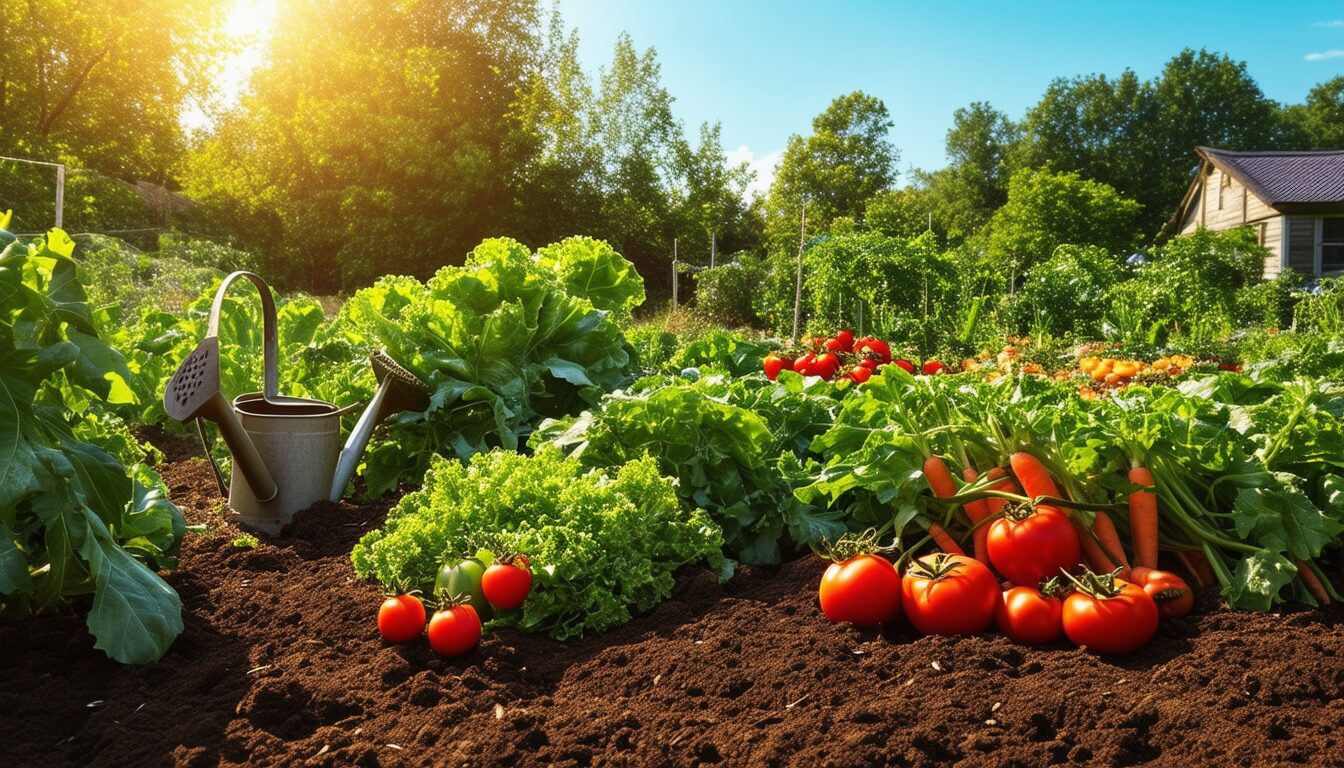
(287,451)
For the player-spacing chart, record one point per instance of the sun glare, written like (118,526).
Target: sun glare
(248,25)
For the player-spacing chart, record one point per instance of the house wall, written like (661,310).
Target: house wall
(1273,240)
(1222,202)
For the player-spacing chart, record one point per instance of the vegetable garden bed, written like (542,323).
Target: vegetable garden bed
(280,664)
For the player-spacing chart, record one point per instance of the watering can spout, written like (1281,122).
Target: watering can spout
(398,390)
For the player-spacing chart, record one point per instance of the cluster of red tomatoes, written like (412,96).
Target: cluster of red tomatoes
(455,627)
(944,594)
(844,356)
(1047,592)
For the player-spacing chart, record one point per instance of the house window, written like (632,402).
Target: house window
(1301,246)
(1332,244)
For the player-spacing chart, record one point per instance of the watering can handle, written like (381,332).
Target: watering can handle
(271,352)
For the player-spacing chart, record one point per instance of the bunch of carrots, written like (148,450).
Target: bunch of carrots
(983,501)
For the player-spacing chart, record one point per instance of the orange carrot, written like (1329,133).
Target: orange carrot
(1092,552)
(978,510)
(1033,476)
(1313,584)
(1197,565)
(940,480)
(1139,575)
(1110,542)
(1143,519)
(994,504)
(944,541)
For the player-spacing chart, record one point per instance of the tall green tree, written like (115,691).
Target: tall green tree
(561,174)
(1319,122)
(712,202)
(1201,98)
(1139,137)
(374,138)
(975,182)
(640,142)
(1046,210)
(104,84)
(1089,125)
(848,158)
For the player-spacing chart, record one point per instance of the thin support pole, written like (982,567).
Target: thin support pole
(60,195)
(798,283)
(674,273)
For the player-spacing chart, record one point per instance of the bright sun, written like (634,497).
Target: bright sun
(248,24)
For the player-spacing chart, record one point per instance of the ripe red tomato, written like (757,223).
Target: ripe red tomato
(454,630)
(871,347)
(1027,616)
(842,342)
(827,365)
(506,583)
(774,364)
(864,590)
(859,374)
(869,363)
(802,362)
(904,364)
(934,367)
(1113,625)
(1028,549)
(949,595)
(1173,596)
(401,619)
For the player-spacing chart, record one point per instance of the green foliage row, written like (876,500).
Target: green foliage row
(80,513)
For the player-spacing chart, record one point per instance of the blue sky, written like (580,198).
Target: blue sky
(764,69)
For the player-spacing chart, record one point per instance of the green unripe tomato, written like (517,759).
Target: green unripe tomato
(464,578)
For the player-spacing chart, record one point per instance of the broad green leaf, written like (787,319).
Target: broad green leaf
(1282,518)
(1258,579)
(18,462)
(135,615)
(14,577)
(593,270)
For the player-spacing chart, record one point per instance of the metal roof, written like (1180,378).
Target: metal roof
(1285,178)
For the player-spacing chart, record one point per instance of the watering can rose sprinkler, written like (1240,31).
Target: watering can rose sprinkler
(284,449)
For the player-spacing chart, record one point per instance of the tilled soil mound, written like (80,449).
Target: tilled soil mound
(280,664)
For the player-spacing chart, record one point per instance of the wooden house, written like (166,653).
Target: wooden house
(1294,200)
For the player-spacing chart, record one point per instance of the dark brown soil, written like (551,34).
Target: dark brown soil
(280,664)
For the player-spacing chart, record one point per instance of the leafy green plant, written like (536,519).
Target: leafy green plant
(603,544)
(593,270)
(1066,293)
(74,519)
(734,445)
(724,293)
(501,342)
(246,541)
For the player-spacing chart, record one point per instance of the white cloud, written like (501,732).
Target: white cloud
(1335,24)
(764,166)
(1333,53)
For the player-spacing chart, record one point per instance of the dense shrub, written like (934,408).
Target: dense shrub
(1193,282)
(1067,292)
(1270,303)
(1322,308)
(1046,210)
(870,281)
(724,293)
